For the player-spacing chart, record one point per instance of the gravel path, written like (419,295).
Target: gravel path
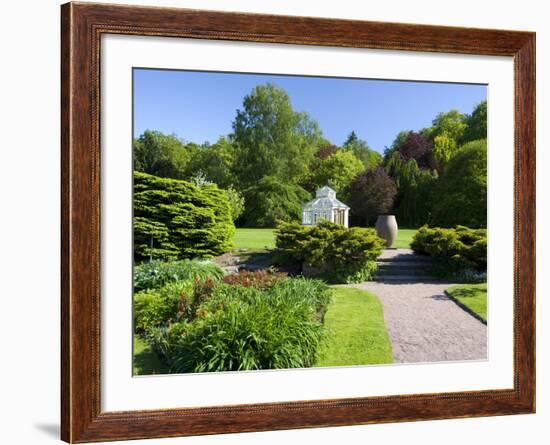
(425,325)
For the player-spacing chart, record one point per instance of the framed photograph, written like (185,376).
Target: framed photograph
(274,222)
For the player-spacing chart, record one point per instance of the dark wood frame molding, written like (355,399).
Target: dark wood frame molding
(82,25)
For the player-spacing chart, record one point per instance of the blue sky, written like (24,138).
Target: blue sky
(200,106)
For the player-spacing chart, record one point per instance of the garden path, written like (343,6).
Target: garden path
(423,323)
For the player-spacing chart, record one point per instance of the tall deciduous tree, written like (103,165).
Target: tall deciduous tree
(477,124)
(451,124)
(326,151)
(415,187)
(271,139)
(338,170)
(371,194)
(444,148)
(162,155)
(417,146)
(362,151)
(462,189)
(214,162)
(270,200)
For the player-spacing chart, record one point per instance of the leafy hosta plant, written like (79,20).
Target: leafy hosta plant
(156,274)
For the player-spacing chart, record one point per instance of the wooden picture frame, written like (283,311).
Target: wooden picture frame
(82,25)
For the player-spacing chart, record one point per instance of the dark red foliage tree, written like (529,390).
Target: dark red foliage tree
(372,193)
(418,147)
(326,151)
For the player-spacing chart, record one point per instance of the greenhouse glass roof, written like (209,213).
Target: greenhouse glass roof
(325,198)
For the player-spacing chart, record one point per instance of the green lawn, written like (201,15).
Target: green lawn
(404,238)
(146,361)
(473,296)
(254,239)
(356,332)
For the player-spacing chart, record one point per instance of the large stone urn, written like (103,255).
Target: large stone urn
(386,228)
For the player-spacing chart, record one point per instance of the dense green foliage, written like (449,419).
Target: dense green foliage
(213,326)
(337,253)
(195,319)
(271,200)
(338,170)
(177,219)
(444,149)
(162,290)
(415,190)
(215,162)
(362,151)
(157,307)
(161,155)
(456,249)
(155,274)
(462,189)
(244,329)
(276,157)
(236,203)
(271,139)
(451,124)
(476,124)
(418,163)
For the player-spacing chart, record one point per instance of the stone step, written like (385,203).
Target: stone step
(405,264)
(405,278)
(405,258)
(408,272)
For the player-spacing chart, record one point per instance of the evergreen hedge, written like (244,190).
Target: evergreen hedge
(460,248)
(175,219)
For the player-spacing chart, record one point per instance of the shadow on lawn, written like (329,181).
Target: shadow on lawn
(465,292)
(146,362)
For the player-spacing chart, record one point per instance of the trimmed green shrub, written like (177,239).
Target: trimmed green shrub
(337,253)
(156,274)
(455,249)
(177,219)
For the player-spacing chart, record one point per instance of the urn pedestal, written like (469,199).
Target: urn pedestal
(386,228)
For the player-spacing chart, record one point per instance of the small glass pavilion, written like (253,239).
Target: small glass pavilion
(325,206)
